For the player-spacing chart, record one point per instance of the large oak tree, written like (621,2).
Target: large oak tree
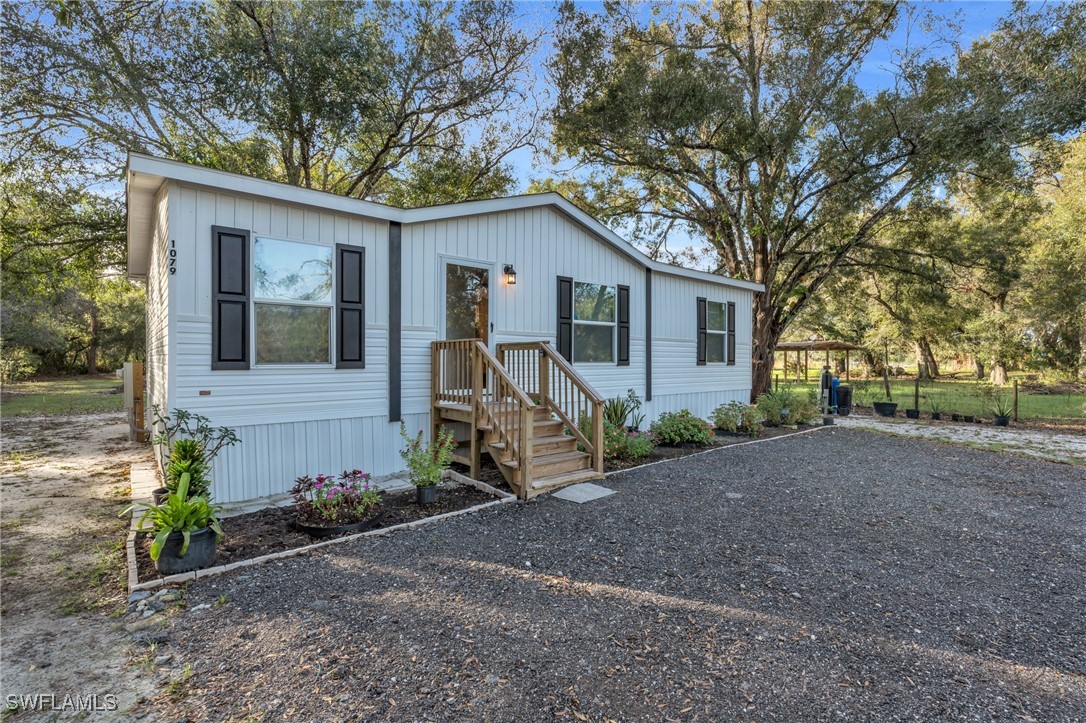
(747,122)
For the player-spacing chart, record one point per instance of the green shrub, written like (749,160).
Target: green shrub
(682,427)
(188,458)
(639,445)
(729,417)
(181,512)
(614,438)
(772,403)
(752,421)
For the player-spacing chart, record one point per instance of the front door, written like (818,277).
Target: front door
(467,301)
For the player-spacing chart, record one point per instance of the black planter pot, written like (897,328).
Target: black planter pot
(885,409)
(426,495)
(1002,421)
(160,495)
(969,418)
(844,411)
(201,552)
(827,421)
(936,416)
(955,417)
(319,533)
(912,413)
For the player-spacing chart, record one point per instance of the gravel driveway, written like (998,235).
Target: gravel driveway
(838,575)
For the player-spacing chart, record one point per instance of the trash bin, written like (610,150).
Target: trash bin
(844,400)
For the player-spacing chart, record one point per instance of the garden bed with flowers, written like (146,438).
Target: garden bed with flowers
(272,530)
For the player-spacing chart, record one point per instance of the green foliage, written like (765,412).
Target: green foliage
(728,417)
(187,458)
(682,427)
(748,123)
(427,461)
(639,445)
(1001,406)
(186,425)
(614,437)
(738,417)
(179,513)
(617,411)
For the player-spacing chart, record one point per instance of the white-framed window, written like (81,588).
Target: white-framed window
(292,301)
(594,314)
(716,332)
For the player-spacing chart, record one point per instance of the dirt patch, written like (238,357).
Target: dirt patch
(62,482)
(272,530)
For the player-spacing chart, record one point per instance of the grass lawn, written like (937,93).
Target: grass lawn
(63,395)
(962,396)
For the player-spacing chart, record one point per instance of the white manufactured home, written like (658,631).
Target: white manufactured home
(313,323)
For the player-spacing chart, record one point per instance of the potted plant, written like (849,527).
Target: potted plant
(912,413)
(885,407)
(636,417)
(1002,410)
(197,440)
(937,410)
(187,458)
(186,530)
(426,463)
(329,506)
(955,417)
(969,418)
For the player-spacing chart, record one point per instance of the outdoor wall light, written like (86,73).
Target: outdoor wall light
(510,275)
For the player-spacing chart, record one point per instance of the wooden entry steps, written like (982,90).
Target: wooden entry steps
(533,438)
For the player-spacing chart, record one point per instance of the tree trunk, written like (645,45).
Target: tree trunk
(921,361)
(999,374)
(978,368)
(929,358)
(873,364)
(764,337)
(92,350)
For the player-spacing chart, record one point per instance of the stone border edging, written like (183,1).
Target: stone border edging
(133,572)
(717,449)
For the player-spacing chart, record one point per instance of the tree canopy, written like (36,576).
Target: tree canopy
(746,123)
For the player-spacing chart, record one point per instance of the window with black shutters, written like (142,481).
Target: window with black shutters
(716,330)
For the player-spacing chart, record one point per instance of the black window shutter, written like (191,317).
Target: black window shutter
(702,335)
(624,326)
(351,307)
(731,333)
(229,298)
(565,317)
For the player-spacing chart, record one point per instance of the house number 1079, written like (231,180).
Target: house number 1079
(171,264)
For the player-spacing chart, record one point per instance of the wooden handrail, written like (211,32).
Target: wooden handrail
(565,392)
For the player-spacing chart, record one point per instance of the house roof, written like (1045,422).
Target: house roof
(146,174)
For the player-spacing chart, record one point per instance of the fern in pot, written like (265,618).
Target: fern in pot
(186,530)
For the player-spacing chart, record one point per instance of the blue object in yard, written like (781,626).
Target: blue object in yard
(833,392)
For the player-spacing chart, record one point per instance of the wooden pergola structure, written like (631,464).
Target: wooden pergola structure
(815,345)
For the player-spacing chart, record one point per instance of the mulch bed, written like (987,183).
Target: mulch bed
(490,473)
(272,530)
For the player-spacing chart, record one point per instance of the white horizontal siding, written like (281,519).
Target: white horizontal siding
(270,457)
(271,394)
(675,370)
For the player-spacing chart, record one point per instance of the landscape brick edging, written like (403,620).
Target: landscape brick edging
(133,573)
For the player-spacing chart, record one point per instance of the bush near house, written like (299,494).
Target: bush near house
(682,427)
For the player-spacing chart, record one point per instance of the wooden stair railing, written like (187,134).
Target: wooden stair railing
(545,375)
(469,385)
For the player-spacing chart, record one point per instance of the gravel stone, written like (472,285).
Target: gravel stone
(863,577)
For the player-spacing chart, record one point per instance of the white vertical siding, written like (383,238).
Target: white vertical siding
(157,367)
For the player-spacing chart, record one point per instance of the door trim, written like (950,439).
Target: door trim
(489,266)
